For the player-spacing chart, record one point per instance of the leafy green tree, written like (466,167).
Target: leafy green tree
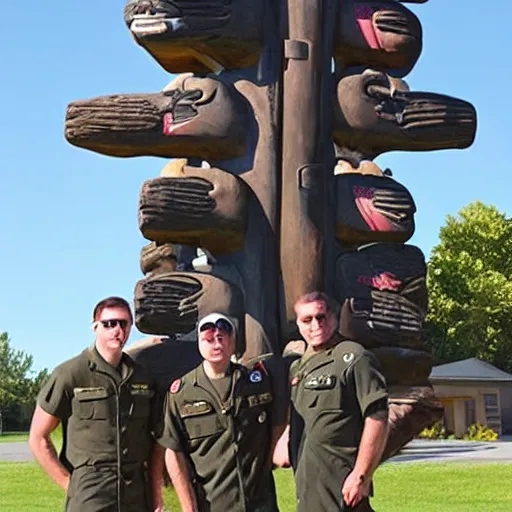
(470,288)
(19,385)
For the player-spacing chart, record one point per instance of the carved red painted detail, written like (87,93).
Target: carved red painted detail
(364,15)
(383,281)
(168,123)
(364,202)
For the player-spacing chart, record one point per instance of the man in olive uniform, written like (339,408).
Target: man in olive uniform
(221,424)
(108,407)
(339,406)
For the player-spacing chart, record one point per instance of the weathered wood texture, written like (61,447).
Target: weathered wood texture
(372,208)
(158,258)
(411,409)
(201,118)
(382,34)
(303,178)
(185,36)
(202,207)
(198,36)
(376,113)
(173,303)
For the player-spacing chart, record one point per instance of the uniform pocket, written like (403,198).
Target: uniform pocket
(202,426)
(142,404)
(92,403)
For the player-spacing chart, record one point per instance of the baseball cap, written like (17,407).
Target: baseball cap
(217,319)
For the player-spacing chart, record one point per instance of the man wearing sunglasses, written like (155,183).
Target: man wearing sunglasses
(220,426)
(339,414)
(109,408)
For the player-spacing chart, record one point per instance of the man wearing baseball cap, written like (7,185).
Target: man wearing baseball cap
(220,428)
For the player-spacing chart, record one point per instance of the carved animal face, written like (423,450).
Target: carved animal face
(150,18)
(377,113)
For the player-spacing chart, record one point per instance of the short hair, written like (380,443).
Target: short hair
(318,296)
(111,302)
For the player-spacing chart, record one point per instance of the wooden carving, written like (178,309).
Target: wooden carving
(201,207)
(199,117)
(376,113)
(184,35)
(158,258)
(383,34)
(372,208)
(273,192)
(173,303)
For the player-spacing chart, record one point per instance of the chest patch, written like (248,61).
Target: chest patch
(255,376)
(261,399)
(140,389)
(320,382)
(195,408)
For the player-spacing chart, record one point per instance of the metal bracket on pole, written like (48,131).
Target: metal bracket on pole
(296,49)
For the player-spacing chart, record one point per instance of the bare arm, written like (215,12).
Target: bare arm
(178,471)
(156,476)
(280,455)
(43,449)
(373,441)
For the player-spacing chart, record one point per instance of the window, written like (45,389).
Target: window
(469,409)
(492,411)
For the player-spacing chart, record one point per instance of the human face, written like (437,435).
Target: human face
(112,335)
(216,346)
(315,323)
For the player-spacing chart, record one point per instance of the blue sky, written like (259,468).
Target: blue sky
(69,217)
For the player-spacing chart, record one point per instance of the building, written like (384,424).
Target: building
(473,391)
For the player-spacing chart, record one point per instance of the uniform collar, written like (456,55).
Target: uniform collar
(201,379)
(331,344)
(312,360)
(97,363)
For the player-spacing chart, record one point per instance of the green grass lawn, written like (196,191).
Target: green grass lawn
(439,487)
(14,437)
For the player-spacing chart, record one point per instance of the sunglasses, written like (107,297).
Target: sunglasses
(221,324)
(110,324)
(318,318)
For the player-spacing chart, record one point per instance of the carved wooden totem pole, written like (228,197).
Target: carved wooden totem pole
(273,125)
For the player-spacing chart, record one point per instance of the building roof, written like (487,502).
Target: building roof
(469,369)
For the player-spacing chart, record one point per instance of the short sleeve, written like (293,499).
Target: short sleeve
(56,395)
(171,435)
(369,383)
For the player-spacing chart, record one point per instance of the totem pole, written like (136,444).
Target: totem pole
(273,121)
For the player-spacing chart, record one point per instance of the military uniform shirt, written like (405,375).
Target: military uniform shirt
(226,442)
(331,392)
(107,421)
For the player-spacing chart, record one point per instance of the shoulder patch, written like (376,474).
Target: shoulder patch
(175,386)
(255,376)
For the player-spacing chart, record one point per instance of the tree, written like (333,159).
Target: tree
(19,385)
(470,288)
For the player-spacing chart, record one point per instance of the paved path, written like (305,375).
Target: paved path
(416,451)
(15,452)
(461,451)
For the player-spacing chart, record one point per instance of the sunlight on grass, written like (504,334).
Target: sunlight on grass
(14,437)
(439,487)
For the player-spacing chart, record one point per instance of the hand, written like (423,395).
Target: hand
(355,488)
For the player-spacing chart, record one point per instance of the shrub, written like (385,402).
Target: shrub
(436,431)
(479,432)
